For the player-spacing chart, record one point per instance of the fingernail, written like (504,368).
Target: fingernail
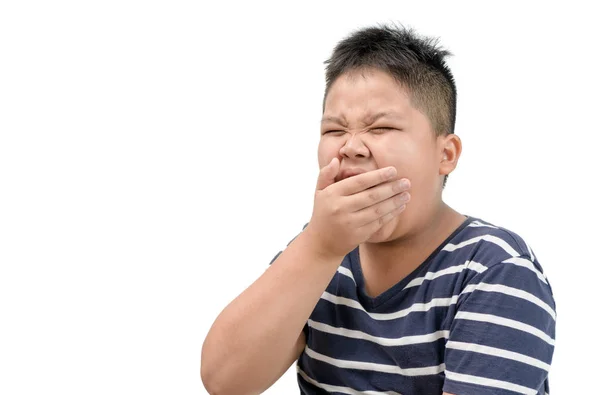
(391,172)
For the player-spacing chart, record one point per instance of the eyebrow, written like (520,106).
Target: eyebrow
(341,121)
(369,119)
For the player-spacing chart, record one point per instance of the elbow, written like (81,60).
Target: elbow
(210,386)
(217,383)
(209,369)
(222,375)
(215,386)
(210,379)
(214,377)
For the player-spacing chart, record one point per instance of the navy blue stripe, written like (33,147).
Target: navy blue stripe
(459,388)
(361,380)
(502,337)
(493,367)
(416,323)
(517,277)
(406,356)
(509,307)
(441,318)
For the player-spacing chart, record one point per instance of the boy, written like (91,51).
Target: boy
(388,290)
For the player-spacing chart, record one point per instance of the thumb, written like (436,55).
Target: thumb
(328,173)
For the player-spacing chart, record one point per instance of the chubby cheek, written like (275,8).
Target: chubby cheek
(412,160)
(327,151)
(402,157)
(410,164)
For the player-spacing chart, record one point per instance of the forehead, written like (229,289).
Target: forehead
(366,91)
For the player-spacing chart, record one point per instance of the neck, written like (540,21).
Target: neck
(413,248)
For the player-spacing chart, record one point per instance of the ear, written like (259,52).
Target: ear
(449,148)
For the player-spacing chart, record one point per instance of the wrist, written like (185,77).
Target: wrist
(311,241)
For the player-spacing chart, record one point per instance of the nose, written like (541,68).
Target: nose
(354,148)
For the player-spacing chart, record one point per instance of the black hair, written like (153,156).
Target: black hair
(416,62)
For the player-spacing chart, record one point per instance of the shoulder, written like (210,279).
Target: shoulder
(490,243)
(509,236)
(502,262)
(482,246)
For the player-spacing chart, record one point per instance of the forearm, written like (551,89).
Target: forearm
(252,340)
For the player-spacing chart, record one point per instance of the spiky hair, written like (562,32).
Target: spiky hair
(416,62)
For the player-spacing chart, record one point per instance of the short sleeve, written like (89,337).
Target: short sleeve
(501,338)
(305,329)
(279,253)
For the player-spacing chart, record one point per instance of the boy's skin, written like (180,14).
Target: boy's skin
(411,147)
(259,335)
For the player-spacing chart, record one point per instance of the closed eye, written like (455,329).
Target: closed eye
(333,131)
(383,129)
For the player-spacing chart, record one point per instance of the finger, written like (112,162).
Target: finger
(374,226)
(363,181)
(328,173)
(381,209)
(377,194)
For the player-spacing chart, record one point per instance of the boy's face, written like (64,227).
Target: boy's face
(370,123)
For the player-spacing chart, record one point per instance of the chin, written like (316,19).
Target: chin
(388,232)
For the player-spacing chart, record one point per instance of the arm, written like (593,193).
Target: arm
(259,335)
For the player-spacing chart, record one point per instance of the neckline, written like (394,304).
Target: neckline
(373,303)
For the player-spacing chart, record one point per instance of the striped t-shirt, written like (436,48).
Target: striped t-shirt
(476,318)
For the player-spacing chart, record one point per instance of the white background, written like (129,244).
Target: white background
(154,157)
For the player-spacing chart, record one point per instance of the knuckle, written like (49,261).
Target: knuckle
(362,182)
(373,196)
(378,210)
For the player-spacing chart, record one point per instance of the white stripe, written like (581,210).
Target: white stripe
(472,265)
(530,252)
(466,378)
(343,390)
(346,272)
(475,266)
(340,300)
(498,352)
(479,224)
(384,341)
(493,319)
(492,239)
(417,307)
(375,367)
(526,263)
(510,291)
(515,256)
